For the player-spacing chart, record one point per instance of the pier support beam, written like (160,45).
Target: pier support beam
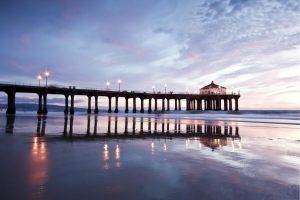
(168,104)
(194,104)
(176,104)
(72,110)
(187,104)
(89,110)
(142,105)
(134,105)
(155,104)
(198,104)
(214,104)
(208,104)
(116,104)
(45,109)
(96,105)
(109,105)
(66,111)
(179,104)
(236,104)
(11,103)
(163,104)
(126,105)
(230,104)
(225,104)
(149,106)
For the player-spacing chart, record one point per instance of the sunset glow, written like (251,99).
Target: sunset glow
(249,46)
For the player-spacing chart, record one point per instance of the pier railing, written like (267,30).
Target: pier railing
(104,89)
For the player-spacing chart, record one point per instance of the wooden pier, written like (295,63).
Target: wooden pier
(215,102)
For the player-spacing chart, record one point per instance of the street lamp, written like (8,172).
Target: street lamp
(187,90)
(153,88)
(119,82)
(46,75)
(107,85)
(39,77)
(166,88)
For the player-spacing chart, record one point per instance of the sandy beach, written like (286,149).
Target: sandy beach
(166,156)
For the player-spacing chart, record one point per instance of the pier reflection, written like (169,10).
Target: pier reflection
(10,120)
(212,135)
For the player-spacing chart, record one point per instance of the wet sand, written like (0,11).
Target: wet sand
(147,157)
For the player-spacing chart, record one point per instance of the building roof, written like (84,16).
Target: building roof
(212,85)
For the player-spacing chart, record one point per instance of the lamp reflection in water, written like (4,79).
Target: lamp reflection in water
(118,163)
(152,147)
(117,152)
(187,142)
(105,157)
(38,160)
(105,152)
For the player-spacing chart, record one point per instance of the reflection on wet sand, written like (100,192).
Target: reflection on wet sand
(210,134)
(50,156)
(10,120)
(38,162)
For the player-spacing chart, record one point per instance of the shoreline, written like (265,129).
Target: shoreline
(273,118)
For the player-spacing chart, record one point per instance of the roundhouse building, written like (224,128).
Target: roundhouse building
(213,88)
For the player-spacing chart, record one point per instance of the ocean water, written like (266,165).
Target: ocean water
(210,155)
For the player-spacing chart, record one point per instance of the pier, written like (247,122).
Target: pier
(216,102)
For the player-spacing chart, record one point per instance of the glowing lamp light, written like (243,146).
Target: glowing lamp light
(39,77)
(46,75)
(119,82)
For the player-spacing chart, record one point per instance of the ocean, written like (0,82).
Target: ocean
(174,155)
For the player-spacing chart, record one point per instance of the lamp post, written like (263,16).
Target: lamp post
(153,88)
(119,82)
(107,85)
(187,90)
(166,88)
(39,77)
(46,75)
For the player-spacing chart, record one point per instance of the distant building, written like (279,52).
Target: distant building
(213,89)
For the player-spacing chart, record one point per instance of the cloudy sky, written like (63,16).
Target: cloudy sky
(247,45)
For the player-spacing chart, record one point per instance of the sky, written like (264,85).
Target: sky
(251,46)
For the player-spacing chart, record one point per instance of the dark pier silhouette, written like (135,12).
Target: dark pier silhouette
(215,102)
